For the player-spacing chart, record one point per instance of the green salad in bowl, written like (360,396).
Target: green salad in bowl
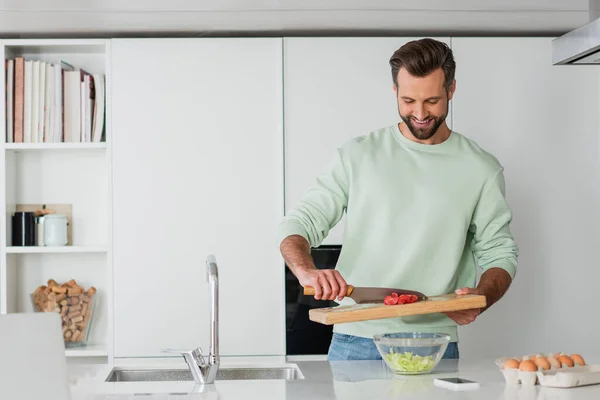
(411,353)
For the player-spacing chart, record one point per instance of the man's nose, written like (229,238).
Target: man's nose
(420,113)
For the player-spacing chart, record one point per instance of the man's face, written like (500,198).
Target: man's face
(423,102)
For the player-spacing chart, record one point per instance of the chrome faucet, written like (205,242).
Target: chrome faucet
(202,371)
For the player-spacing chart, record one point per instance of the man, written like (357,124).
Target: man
(424,205)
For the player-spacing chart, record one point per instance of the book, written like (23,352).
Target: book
(53,102)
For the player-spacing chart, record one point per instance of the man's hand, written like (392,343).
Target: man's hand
(464,317)
(328,283)
(493,285)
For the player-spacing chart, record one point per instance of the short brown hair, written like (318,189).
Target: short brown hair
(421,57)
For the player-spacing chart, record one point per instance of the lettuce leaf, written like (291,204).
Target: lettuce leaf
(409,362)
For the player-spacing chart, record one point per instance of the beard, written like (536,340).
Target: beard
(424,133)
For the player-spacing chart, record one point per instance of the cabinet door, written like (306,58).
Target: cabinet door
(197,170)
(541,122)
(335,89)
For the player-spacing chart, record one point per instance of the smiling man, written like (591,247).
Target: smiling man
(424,207)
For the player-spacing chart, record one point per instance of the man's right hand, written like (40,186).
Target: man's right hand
(328,283)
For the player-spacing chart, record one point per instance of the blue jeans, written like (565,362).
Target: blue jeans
(347,347)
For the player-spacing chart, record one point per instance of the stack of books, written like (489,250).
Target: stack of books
(53,102)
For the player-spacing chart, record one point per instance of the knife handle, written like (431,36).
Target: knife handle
(310,291)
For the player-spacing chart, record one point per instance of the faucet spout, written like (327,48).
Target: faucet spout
(205,371)
(212,275)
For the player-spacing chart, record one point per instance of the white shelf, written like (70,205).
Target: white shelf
(54,146)
(61,249)
(88,351)
(48,44)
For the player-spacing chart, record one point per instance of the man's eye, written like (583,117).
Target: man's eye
(409,101)
(432,101)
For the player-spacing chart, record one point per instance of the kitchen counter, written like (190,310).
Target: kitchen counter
(325,380)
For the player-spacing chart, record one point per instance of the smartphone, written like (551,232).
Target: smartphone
(456,383)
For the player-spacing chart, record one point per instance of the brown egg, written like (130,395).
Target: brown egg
(542,363)
(566,360)
(553,361)
(511,363)
(577,359)
(528,365)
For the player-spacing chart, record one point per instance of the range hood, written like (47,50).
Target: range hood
(582,45)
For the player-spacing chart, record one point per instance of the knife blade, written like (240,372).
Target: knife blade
(363,295)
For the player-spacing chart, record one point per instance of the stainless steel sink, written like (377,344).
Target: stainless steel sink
(121,374)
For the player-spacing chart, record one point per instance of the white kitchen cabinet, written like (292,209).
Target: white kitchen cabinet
(197,170)
(335,89)
(541,122)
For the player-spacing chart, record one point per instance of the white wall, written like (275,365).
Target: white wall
(541,122)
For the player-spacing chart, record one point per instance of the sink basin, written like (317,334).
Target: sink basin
(122,374)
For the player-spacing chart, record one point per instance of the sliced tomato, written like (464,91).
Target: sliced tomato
(407,298)
(394,299)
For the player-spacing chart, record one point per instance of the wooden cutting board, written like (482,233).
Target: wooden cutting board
(366,312)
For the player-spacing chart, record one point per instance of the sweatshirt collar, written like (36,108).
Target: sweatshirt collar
(440,147)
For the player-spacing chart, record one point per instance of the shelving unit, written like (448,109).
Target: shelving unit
(79,174)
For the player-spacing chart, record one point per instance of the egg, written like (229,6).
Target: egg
(566,360)
(511,363)
(577,359)
(542,363)
(536,356)
(527,365)
(554,363)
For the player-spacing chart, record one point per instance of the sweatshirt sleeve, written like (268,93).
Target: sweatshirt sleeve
(493,244)
(321,207)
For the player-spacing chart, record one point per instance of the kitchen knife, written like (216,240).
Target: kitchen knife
(369,294)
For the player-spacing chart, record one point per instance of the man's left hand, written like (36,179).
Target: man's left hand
(464,317)
(493,284)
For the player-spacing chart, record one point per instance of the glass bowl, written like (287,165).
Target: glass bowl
(76,312)
(411,353)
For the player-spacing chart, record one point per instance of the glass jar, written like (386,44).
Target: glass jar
(55,230)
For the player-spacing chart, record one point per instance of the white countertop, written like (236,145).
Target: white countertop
(328,381)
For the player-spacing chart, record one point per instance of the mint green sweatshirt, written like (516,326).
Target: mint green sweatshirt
(419,217)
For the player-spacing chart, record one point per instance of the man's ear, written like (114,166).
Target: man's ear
(452,90)
(395,89)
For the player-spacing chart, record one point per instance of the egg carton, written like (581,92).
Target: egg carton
(557,375)
(570,377)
